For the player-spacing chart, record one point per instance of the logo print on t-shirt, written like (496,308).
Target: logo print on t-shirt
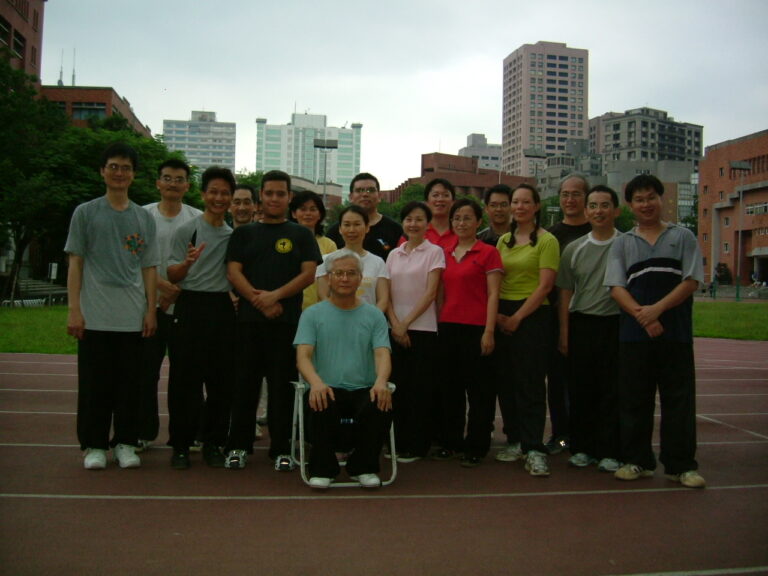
(284,245)
(134,243)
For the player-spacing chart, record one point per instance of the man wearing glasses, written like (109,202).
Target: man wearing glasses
(111,285)
(384,233)
(498,207)
(573,191)
(169,213)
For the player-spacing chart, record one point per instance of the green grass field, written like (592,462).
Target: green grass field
(43,330)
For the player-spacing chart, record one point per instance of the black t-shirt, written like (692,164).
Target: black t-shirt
(271,256)
(381,239)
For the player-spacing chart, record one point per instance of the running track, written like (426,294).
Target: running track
(437,519)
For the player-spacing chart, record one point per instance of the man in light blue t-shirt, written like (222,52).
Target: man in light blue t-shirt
(343,352)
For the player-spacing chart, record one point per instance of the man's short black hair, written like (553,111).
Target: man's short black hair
(250,189)
(217,172)
(497,189)
(175,164)
(276,176)
(120,150)
(364,176)
(643,182)
(606,190)
(446,184)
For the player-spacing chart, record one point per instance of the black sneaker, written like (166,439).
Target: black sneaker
(180,459)
(471,461)
(557,444)
(213,456)
(444,454)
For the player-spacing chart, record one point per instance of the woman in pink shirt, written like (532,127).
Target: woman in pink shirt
(414,275)
(470,298)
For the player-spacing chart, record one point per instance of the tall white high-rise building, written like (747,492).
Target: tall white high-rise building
(309,148)
(205,141)
(545,103)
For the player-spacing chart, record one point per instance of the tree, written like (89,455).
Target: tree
(250,178)
(411,193)
(626,219)
(48,167)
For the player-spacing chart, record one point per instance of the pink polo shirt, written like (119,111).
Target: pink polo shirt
(465,283)
(408,274)
(443,240)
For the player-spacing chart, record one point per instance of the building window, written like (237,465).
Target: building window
(5,32)
(721,171)
(705,237)
(726,248)
(19,48)
(720,195)
(727,221)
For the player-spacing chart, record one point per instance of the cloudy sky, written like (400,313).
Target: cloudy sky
(420,75)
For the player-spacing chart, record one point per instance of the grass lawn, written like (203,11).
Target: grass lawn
(43,330)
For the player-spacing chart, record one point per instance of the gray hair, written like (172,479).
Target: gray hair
(343,254)
(577,176)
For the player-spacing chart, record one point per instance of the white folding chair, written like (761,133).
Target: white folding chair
(298,444)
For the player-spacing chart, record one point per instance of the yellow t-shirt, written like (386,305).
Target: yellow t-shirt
(326,246)
(522,263)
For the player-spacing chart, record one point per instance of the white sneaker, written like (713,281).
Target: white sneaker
(368,480)
(608,465)
(510,453)
(536,463)
(581,460)
(126,456)
(320,483)
(95,459)
(690,479)
(236,460)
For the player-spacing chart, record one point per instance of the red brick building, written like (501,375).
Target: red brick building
(82,103)
(733,205)
(463,172)
(21,32)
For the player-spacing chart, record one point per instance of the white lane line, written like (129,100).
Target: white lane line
(36,390)
(73,375)
(716,421)
(378,496)
(714,572)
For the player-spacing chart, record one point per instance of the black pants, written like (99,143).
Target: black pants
(413,373)
(558,399)
(264,350)
(668,366)
(152,354)
(467,376)
(371,425)
(204,324)
(593,378)
(524,387)
(108,384)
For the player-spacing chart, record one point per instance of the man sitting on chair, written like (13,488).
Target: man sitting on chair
(343,352)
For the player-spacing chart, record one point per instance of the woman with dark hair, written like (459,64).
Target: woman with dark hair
(307,209)
(374,289)
(530,256)
(414,272)
(470,299)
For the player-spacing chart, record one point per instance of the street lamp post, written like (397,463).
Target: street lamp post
(740,167)
(326,146)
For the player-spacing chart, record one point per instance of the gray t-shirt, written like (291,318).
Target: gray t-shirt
(115,247)
(165,229)
(209,273)
(582,269)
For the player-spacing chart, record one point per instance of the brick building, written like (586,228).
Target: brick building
(463,172)
(21,32)
(733,205)
(82,103)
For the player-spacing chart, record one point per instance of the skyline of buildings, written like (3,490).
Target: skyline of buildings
(545,101)
(205,141)
(308,148)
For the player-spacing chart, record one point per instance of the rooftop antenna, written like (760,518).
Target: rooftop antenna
(61,70)
(74,58)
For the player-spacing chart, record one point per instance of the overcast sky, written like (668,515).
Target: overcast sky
(420,75)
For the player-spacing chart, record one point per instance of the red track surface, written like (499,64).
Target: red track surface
(438,518)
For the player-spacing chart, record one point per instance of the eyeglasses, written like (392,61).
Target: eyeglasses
(365,190)
(574,195)
(124,168)
(175,179)
(345,274)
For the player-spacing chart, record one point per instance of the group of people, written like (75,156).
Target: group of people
(580,317)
